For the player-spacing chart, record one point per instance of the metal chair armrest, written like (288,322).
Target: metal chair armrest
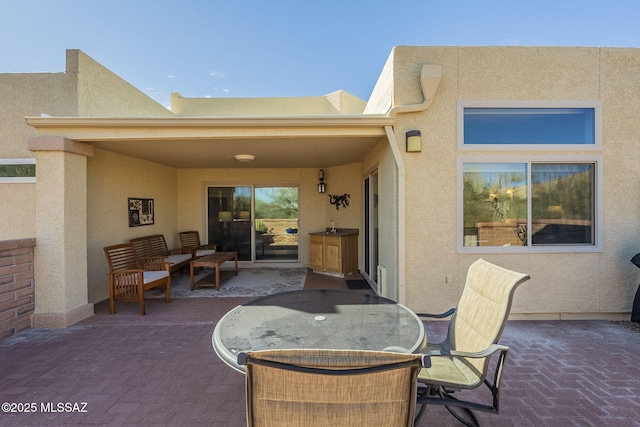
(437,316)
(474,355)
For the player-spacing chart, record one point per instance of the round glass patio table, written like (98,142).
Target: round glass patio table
(317,318)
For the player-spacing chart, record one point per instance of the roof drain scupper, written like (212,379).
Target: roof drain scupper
(430,77)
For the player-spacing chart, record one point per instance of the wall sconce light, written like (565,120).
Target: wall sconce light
(414,141)
(322,187)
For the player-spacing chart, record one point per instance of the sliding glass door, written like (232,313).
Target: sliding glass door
(276,230)
(371,227)
(260,223)
(229,220)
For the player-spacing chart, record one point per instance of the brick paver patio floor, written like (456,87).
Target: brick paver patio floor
(160,370)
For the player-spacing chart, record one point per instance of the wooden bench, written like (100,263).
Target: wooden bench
(128,278)
(155,246)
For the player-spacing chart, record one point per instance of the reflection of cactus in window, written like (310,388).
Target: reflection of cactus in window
(260,227)
(500,208)
(521,232)
(18,170)
(493,195)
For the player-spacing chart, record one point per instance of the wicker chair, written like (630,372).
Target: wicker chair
(190,240)
(127,282)
(462,360)
(330,387)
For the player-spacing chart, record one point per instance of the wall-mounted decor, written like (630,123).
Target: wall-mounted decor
(140,212)
(338,201)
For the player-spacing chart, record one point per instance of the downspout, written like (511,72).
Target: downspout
(430,77)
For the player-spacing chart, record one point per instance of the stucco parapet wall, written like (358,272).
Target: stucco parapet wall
(56,143)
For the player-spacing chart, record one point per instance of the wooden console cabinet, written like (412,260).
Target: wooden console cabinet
(334,253)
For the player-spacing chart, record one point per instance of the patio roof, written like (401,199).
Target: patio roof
(209,142)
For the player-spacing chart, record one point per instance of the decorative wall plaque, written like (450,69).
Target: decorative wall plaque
(140,212)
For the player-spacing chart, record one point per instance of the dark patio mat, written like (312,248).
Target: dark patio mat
(358,284)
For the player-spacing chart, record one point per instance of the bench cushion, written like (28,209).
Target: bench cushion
(152,276)
(204,252)
(177,259)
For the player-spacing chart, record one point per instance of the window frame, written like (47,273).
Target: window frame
(596,105)
(598,222)
(18,179)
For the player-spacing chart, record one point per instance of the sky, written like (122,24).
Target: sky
(282,48)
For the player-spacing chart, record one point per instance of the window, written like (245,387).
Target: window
(529,205)
(529,125)
(18,170)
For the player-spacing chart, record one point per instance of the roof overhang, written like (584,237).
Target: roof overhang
(194,142)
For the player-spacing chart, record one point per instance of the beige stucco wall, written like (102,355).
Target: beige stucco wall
(101,93)
(562,284)
(314,208)
(85,89)
(382,160)
(339,102)
(112,179)
(21,95)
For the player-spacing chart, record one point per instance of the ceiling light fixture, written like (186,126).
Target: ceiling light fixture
(245,157)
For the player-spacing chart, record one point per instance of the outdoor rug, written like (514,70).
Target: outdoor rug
(250,282)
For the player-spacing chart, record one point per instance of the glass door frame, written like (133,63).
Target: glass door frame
(290,233)
(252,221)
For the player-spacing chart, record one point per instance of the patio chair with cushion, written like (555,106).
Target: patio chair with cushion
(127,282)
(190,240)
(462,360)
(308,387)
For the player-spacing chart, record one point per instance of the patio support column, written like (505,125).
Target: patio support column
(61,294)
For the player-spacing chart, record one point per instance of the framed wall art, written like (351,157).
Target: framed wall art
(140,212)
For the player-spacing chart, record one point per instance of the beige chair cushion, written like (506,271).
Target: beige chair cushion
(204,252)
(152,276)
(477,323)
(177,259)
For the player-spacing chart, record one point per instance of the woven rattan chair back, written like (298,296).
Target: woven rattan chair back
(330,388)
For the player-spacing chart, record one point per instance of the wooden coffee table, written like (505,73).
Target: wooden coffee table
(215,261)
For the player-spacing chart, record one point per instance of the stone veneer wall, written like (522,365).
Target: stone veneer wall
(17,297)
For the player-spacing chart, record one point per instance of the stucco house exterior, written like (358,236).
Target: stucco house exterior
(526,157)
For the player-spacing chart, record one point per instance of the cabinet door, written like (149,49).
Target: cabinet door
(332,255)
(317,252)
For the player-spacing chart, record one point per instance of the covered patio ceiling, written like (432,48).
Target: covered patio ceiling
(276,142)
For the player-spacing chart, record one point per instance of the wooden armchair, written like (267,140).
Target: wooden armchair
(312,388)
(127,282)
(190,240)
(461,362)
